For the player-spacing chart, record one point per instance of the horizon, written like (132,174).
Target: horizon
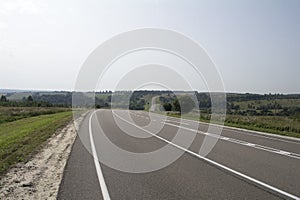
(110,91)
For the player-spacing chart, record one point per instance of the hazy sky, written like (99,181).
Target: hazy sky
(255,44)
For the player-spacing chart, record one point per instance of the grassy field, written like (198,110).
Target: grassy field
(281,125)
(9,114)
(22,138)
(283,102)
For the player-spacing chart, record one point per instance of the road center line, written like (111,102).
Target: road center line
(249,178)
(244,143)
(101,180)
(178,122)
(248,132)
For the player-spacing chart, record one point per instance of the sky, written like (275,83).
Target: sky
(254,44)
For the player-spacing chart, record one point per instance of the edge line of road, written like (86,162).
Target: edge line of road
(100,176)
(244,143)
(237,141)
(283,138)
(246,177)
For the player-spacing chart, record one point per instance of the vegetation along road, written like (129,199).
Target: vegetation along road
(23,130)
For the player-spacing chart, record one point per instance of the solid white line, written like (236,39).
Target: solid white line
(236,141)
(101,180)
(258,182)
(244,143)
(270,136)
(281,138)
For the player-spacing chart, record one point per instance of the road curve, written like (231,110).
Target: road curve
(242,164)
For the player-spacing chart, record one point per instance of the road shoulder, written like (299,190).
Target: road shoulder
(40,177)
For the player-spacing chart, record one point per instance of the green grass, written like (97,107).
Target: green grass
(9,114)
(283,102)
(22,138)
(280,125)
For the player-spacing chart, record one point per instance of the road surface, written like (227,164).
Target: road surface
(242,165)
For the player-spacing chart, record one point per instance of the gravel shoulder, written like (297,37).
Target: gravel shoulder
(40,177)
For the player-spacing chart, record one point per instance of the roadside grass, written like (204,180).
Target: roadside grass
(283,102)
(9,114)
(20,139)
(280,125)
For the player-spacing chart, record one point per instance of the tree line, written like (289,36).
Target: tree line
(170,101)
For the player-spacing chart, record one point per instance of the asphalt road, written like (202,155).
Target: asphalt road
(242,164)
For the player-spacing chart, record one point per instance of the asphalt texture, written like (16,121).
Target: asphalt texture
(272,160)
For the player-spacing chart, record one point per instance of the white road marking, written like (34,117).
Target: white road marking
(192,130)
(251,145)
(225,138)
(284,152)
(241,142)
(244,131)
(281,138)
(176,122)
(101,180)
(249,178)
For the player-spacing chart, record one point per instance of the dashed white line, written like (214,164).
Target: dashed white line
(249,178)
(241,142)
(179,122)
(247,132)
(284,152)
(251,145)
(225,138)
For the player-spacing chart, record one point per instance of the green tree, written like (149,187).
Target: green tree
(30,99)
(3,98)
(176,105)
(167,106)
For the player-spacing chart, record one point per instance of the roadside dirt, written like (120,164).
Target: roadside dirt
(40,177)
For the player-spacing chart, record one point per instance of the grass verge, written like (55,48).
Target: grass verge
(20,139)
(9,114)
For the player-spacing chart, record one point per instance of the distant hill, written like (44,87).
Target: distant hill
(239,103)
(6,91)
